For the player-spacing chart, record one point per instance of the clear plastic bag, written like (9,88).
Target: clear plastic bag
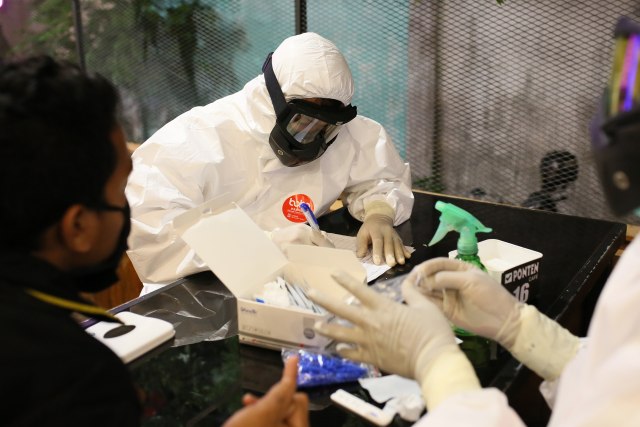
(317,368)
(390,288)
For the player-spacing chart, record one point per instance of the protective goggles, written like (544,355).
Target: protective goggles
(303,129)
(306,122)
(624,84)
(615,129)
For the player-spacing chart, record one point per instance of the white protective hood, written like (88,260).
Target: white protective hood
(310,66)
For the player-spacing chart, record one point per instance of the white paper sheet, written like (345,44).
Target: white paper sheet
(384,388)
(341,242)
(349,242)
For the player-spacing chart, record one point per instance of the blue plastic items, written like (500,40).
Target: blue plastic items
(315,369)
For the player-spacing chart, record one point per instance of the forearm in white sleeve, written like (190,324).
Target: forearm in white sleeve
(378,172)
(393,193)
(156,197)
(159,255)
(479,408)
(542,344)
(549,388)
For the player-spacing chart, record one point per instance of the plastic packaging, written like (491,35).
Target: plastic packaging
(453,218)
(280,293)
(316,369)
(200,308)
(390,288)
(410,407)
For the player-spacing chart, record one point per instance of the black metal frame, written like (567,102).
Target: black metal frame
(301,16)
(77,22)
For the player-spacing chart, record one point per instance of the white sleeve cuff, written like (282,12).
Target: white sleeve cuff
(543,345)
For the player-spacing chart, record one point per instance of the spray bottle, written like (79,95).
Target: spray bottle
(455,218)
(452,218)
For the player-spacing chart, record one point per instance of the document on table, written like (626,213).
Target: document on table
(349,242)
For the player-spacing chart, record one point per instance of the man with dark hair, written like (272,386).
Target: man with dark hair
(65,221)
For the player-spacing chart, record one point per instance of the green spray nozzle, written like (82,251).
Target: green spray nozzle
(455,218)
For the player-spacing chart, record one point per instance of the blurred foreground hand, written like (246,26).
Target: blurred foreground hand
(414,341)
(281,406)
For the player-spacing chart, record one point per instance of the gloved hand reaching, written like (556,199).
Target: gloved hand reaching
(377,230)
(299,234)
(413,341)
(474,301)
(468,297)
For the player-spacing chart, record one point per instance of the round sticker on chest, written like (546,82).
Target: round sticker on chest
(291,207)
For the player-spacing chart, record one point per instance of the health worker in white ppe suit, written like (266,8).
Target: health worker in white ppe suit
(592,381)
(289,136)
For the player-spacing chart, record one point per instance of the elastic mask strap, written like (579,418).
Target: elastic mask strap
(107,207)
(86,309)
(275,92)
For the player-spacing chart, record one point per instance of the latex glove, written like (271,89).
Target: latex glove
(413,341)
(474,301)
(279,407)
(377,230)
(299,234)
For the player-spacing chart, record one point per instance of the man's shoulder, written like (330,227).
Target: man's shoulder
(203,122)
(48,357)
(35,330)
(360,119)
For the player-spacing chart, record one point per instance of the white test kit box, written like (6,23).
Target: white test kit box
(515,267)
(244,258)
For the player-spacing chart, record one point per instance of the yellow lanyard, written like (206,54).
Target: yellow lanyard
(87,309)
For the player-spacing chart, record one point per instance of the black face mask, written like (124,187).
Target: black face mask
(100,276)
(303,130)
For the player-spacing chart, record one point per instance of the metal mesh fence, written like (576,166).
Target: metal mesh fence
(188,53)
(512,90)
(485,101)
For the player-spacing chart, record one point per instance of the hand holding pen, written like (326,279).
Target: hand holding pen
(318,237)
(311,218)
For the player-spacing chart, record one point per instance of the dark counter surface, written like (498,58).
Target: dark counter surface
(201,383)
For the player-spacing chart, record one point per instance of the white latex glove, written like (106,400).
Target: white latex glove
(299,234)
(474,301)
(413,341)
(377,230)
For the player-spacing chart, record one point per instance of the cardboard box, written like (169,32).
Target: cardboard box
(244,259)
(517,268)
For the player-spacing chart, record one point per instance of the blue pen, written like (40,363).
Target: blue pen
(311,218)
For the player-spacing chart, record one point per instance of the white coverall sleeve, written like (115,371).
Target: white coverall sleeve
(479,408)
(601,385)
(378,172)
(163,185)
(549,388)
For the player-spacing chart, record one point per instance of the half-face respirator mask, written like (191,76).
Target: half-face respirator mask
(303,130)
(615,130)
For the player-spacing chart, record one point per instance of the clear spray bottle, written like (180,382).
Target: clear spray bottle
(453,218)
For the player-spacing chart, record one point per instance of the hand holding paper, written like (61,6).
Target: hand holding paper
(377,230)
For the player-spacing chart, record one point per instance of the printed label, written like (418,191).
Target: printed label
(521,281)
(519,273)
(291,207)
